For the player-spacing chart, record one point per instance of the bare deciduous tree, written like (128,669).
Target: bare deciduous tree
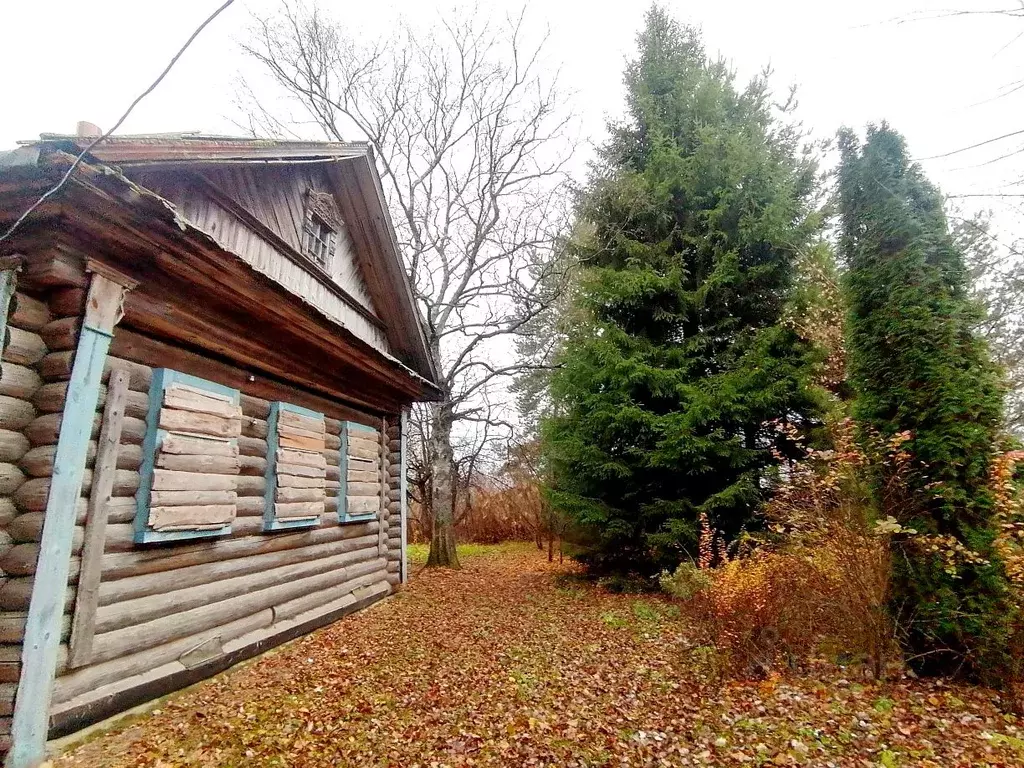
(473,145)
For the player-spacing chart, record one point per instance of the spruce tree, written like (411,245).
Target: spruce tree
(679,369)
(918,368)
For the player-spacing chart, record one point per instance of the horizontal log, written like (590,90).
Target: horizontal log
(111,645)
(296,421)
(395,446)
(256,428)
(290,456)
(121,538)
(29,314)
(29,526)
(15,414)
(393,494)
(6,543)
(333,472)
(333,426)
(331,504)
(186,399)
(130,588)
(56,366)
(364,434)
(218,465)
(332,442)
(130,612)
(249,506)
(136,562)
(248,485)
(61,333)
(15,594)
(163,518)
(44,429)
(11,478)
(200,446)
(254,407)
(297,481)
(88,679)
(169,480)
(32,494)
(12,627)
(13,445)
(301,443)
(252,465)
(252,446)
(38,462)
(66,302)
(20,560)
(191,498)
(331,486)
(121,509)
(287,510)
(360,505)
(326,600)
(25,347)
(50,398)
(333,458)
(288,495)
(175,420)
(363,489)
(139,376)
(18,381)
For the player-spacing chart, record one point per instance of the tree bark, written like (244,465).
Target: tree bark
(442,530)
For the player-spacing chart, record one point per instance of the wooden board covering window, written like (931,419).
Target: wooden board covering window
(190,472)
(296,468)
(359,497)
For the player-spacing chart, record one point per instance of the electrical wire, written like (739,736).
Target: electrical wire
(67,175)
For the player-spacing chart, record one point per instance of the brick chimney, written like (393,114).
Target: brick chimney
(86,130)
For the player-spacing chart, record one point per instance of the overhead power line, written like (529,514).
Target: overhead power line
(973,146)
(77,161)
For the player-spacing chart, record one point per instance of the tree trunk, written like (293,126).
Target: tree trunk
(442,498)
(551,545)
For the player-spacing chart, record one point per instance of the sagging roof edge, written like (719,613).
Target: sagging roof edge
(21,164)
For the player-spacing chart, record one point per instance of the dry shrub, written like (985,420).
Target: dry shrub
(821,576)
(505,514)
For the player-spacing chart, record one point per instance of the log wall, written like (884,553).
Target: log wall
(166,609)
(27,395)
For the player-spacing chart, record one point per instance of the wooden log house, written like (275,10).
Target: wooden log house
(211,344)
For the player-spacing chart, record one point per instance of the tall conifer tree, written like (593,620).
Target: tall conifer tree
(918,368)
(680,369)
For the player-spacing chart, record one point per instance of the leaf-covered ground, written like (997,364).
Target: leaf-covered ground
(507,664)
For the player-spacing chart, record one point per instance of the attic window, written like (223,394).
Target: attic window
(320,234)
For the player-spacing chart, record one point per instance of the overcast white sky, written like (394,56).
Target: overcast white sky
(934,80)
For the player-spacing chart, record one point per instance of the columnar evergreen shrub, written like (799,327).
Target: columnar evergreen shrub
(680,368)
(918,369)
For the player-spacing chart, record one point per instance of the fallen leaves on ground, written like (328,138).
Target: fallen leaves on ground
(509,663)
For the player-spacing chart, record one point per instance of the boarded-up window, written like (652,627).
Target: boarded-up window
(190,468)
(360,495)
(296,468)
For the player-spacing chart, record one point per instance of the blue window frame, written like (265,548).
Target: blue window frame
(271,522)
(163,378)
(344,515)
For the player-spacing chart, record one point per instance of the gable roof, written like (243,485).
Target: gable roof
(350,168)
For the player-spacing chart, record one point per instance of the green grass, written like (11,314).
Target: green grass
(418,552)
